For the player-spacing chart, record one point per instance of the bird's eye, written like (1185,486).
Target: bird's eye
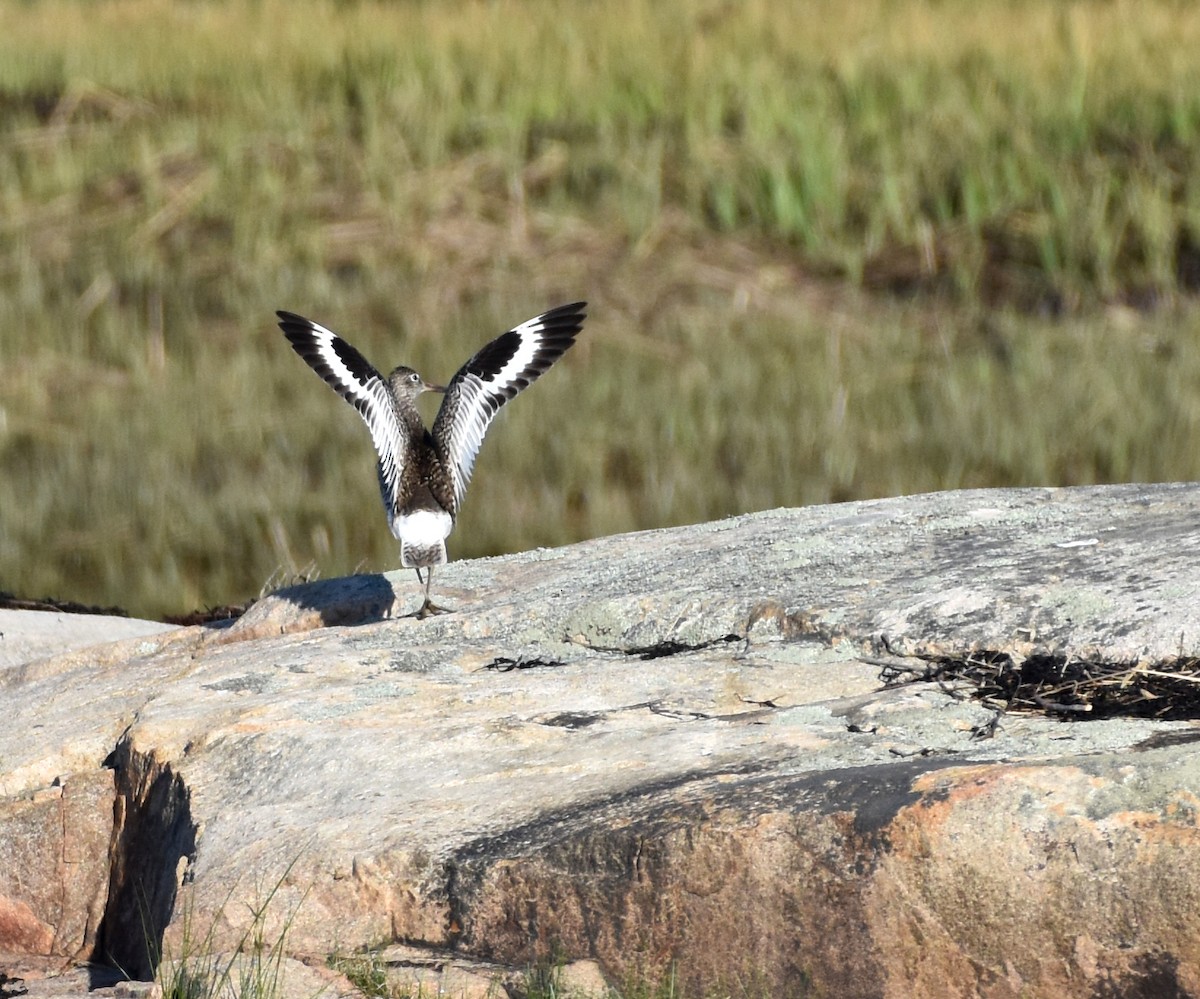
(414,378)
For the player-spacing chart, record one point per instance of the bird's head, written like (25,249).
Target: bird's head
(407,384)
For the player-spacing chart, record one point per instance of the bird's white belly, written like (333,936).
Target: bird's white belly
(422,528)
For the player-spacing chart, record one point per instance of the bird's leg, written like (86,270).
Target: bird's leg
(428,606)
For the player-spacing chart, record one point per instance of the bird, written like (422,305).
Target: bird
(423,473)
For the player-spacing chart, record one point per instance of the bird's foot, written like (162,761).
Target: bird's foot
(428,609)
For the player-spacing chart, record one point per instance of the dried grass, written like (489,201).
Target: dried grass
(1063,686)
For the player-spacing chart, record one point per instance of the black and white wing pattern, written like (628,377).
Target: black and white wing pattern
(488,380)
(354,378)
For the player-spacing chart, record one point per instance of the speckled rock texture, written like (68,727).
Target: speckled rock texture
(26,635)
(666,748)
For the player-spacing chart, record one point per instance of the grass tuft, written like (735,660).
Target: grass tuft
(367,972)
(252,970)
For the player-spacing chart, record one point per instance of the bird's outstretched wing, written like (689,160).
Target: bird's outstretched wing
(354,378)
(488,380)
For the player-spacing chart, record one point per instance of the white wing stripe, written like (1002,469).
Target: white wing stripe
(526,352)
(322,340)
(494,375)
(361,386)
(475,394)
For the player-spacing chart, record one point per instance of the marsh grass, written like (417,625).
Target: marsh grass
(730,185)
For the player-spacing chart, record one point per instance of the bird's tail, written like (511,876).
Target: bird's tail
(417,556)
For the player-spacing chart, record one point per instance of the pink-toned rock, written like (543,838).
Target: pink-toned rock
(54,867)
(909,880)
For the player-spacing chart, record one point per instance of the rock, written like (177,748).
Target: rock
(94,981)
(257,975)
(582,978)
(401,970)
(665,750)
(27,635)
(219,975)
(54,868)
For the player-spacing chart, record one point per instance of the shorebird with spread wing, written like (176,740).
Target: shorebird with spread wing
(423,474)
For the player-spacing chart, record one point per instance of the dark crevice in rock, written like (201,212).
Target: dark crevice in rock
(573,719)
(504,664)
(153,831)
(11,987)
(1059,685)
(661,650)
(454,900)
(667,647)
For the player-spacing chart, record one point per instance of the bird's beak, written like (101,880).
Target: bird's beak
(434,388)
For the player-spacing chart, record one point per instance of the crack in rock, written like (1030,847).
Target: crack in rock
(503,664)
(667,647)
(154,835)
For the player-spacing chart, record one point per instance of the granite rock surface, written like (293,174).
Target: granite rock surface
(670,748)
